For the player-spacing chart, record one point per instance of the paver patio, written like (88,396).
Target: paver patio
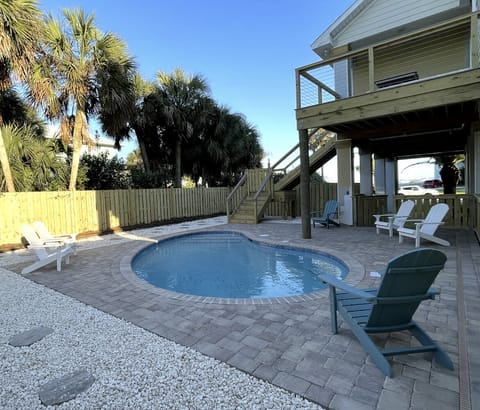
(288,342)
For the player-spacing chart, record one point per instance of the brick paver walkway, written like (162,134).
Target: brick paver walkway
(290,343)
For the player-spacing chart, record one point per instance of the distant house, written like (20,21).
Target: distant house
(100,145)
(397,80)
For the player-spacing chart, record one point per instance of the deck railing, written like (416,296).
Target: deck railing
(428,53)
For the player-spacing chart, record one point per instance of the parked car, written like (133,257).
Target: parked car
(416,190)
(432,183)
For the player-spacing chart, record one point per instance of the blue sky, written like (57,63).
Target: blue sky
(246,50)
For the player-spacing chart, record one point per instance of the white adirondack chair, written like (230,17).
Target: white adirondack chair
(391,221)
(59,250)
(45,235)
(427,227)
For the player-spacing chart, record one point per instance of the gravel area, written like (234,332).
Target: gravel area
(133,369)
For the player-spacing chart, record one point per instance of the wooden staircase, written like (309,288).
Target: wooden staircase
(246,213)
(319,158)
(249,199)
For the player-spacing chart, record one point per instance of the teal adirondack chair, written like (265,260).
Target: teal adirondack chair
(405,284)
(329,211)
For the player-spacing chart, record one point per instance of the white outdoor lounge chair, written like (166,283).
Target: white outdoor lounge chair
(59,249)
(45,235)
(425,228)
(390,221)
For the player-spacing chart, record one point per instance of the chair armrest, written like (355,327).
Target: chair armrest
(53,241)
(70,236)
(379,215)
(55,245)
(429,223)
(338,284)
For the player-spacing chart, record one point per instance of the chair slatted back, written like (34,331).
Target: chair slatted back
(403,213)
(33,240)
(408,275)
(330,208)
(434,217)
(41,230)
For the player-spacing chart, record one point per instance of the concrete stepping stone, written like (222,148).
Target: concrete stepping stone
(29,337)
(65,388)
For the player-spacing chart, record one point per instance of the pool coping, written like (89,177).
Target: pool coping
(356,271)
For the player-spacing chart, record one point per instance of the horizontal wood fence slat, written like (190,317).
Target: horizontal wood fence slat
(87,212)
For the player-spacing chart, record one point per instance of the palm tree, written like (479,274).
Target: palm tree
(142,118)
(182,97)
(35,163)
(83,73)
(224,145)
(20,23)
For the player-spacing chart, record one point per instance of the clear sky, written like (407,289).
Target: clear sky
(246,50)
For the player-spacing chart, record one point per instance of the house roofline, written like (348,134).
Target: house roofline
(323,43)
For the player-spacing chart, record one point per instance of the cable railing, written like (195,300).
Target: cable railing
(435,51)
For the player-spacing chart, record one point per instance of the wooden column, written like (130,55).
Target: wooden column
(365,172)
(472,163)
(305,184)
(379,175)
(390,182)
(345,180)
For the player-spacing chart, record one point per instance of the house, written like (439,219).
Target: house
(100,145)
(397,80)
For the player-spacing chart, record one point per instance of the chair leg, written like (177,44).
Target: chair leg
(59,259)
(333,310)
(368,344)
(439,354)
(417,241)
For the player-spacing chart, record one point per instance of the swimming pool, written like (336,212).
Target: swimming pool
(230,265)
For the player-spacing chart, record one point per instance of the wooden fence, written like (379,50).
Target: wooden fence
(93,212)
(319,194)
(463,209)
(88,212)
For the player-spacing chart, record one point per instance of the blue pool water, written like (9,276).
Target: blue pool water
(229,265)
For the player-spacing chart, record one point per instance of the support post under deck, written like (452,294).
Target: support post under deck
(305,184)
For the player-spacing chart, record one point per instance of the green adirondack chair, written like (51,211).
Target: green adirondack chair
(405,284)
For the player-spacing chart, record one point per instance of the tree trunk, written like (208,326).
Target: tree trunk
(449,174)
(178,164)
(7,173)
(77,146)
(143,151)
